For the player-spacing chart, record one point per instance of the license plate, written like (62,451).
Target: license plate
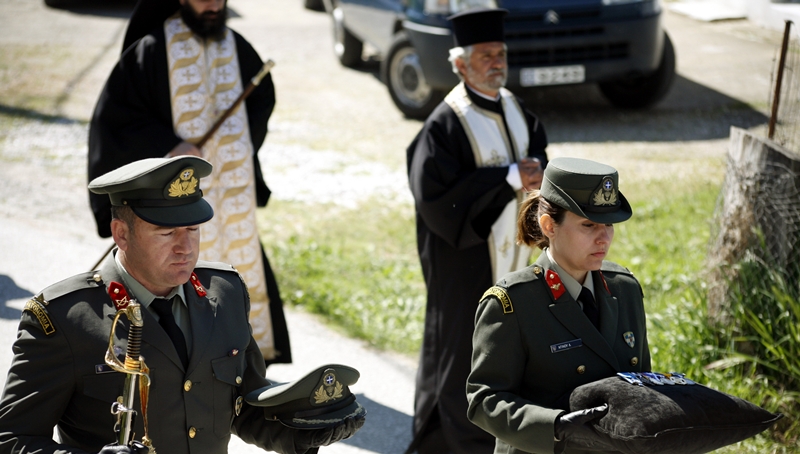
(554,75)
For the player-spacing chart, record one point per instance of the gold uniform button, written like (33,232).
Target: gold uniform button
(192,432)
(581,369)
(238,380)
(537,269)
(187,385)
(634,361)
(97,277)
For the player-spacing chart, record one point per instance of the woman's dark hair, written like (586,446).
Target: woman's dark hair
(529,232)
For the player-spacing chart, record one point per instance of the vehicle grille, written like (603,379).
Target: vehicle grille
(517,35)
(531,28)
(567,54)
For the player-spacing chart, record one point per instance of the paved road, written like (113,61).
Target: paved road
(332,125)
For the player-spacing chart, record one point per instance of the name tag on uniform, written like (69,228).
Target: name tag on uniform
(564,346)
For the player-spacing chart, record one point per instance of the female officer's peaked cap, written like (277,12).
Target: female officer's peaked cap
(587,188)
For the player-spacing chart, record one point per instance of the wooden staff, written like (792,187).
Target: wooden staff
(254,82)
(249,89)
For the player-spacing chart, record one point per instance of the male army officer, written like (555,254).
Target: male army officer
(468,169)
(196,338)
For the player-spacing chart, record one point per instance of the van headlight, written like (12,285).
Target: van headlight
(454,6)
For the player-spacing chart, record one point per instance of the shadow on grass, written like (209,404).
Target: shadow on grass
(30,114)
(580,113)
(690,111)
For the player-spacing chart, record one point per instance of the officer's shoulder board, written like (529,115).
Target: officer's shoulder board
(611,267)
(612,270)
(219,266)
(38,305)
(500,292)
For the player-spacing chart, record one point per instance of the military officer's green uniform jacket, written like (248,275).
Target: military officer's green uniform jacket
(533,345)
(58,377)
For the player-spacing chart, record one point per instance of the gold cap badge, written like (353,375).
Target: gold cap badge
(184,185)
(605,194)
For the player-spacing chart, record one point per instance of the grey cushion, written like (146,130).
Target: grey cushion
(667,419)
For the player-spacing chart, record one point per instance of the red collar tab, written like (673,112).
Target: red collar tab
(198,287)
(602,278)
(555,284)
(119,295)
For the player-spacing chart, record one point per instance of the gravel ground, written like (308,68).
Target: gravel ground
(335,137)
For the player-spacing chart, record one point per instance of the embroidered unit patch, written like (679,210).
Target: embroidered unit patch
(35,307)
(501,294)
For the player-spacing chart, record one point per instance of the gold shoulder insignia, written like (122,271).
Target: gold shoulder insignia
(505,300)
(36,307)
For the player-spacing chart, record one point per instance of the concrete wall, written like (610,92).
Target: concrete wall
(772,14)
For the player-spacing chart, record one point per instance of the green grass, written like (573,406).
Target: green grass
(359,269)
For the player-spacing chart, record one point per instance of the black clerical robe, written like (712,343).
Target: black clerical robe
(456,205)
(133,120)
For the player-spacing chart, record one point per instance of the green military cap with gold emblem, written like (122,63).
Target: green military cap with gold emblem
(587,188)
(161,191)
(321,398)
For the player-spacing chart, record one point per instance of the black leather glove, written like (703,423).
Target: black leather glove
(134,448)
(574,429)
(307,439)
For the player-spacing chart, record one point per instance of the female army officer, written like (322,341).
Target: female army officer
(569,319)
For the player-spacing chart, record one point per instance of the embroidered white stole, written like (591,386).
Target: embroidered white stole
(204,81)
(492,147)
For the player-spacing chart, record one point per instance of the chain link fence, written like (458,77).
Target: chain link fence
(757,216)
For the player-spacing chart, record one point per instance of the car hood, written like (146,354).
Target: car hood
(521,5)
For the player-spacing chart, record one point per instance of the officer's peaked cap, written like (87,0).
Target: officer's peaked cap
(321,398)
(587,188)
(161,191)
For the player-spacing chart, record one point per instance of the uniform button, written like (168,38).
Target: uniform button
(581,369)
(192,432)
(238,380)
(97,277)
(537,269)
(634,361)
(187,385)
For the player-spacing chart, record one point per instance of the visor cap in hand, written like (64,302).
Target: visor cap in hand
(587,188)
(320,399)
(161,191)
(478,25)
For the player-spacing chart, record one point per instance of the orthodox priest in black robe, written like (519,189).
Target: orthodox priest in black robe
(182,68)
(469,167)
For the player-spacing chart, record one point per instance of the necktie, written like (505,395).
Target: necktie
(589,306)
(163,308)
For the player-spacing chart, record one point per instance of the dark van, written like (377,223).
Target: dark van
(618,44)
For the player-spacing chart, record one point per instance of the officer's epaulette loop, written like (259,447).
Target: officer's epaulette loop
(197,285)
(36,306)
(501,294)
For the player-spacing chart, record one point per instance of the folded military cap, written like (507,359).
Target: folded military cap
(587,188)
(161,191)
(320,399)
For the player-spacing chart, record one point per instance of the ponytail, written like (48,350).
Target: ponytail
(529,232)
